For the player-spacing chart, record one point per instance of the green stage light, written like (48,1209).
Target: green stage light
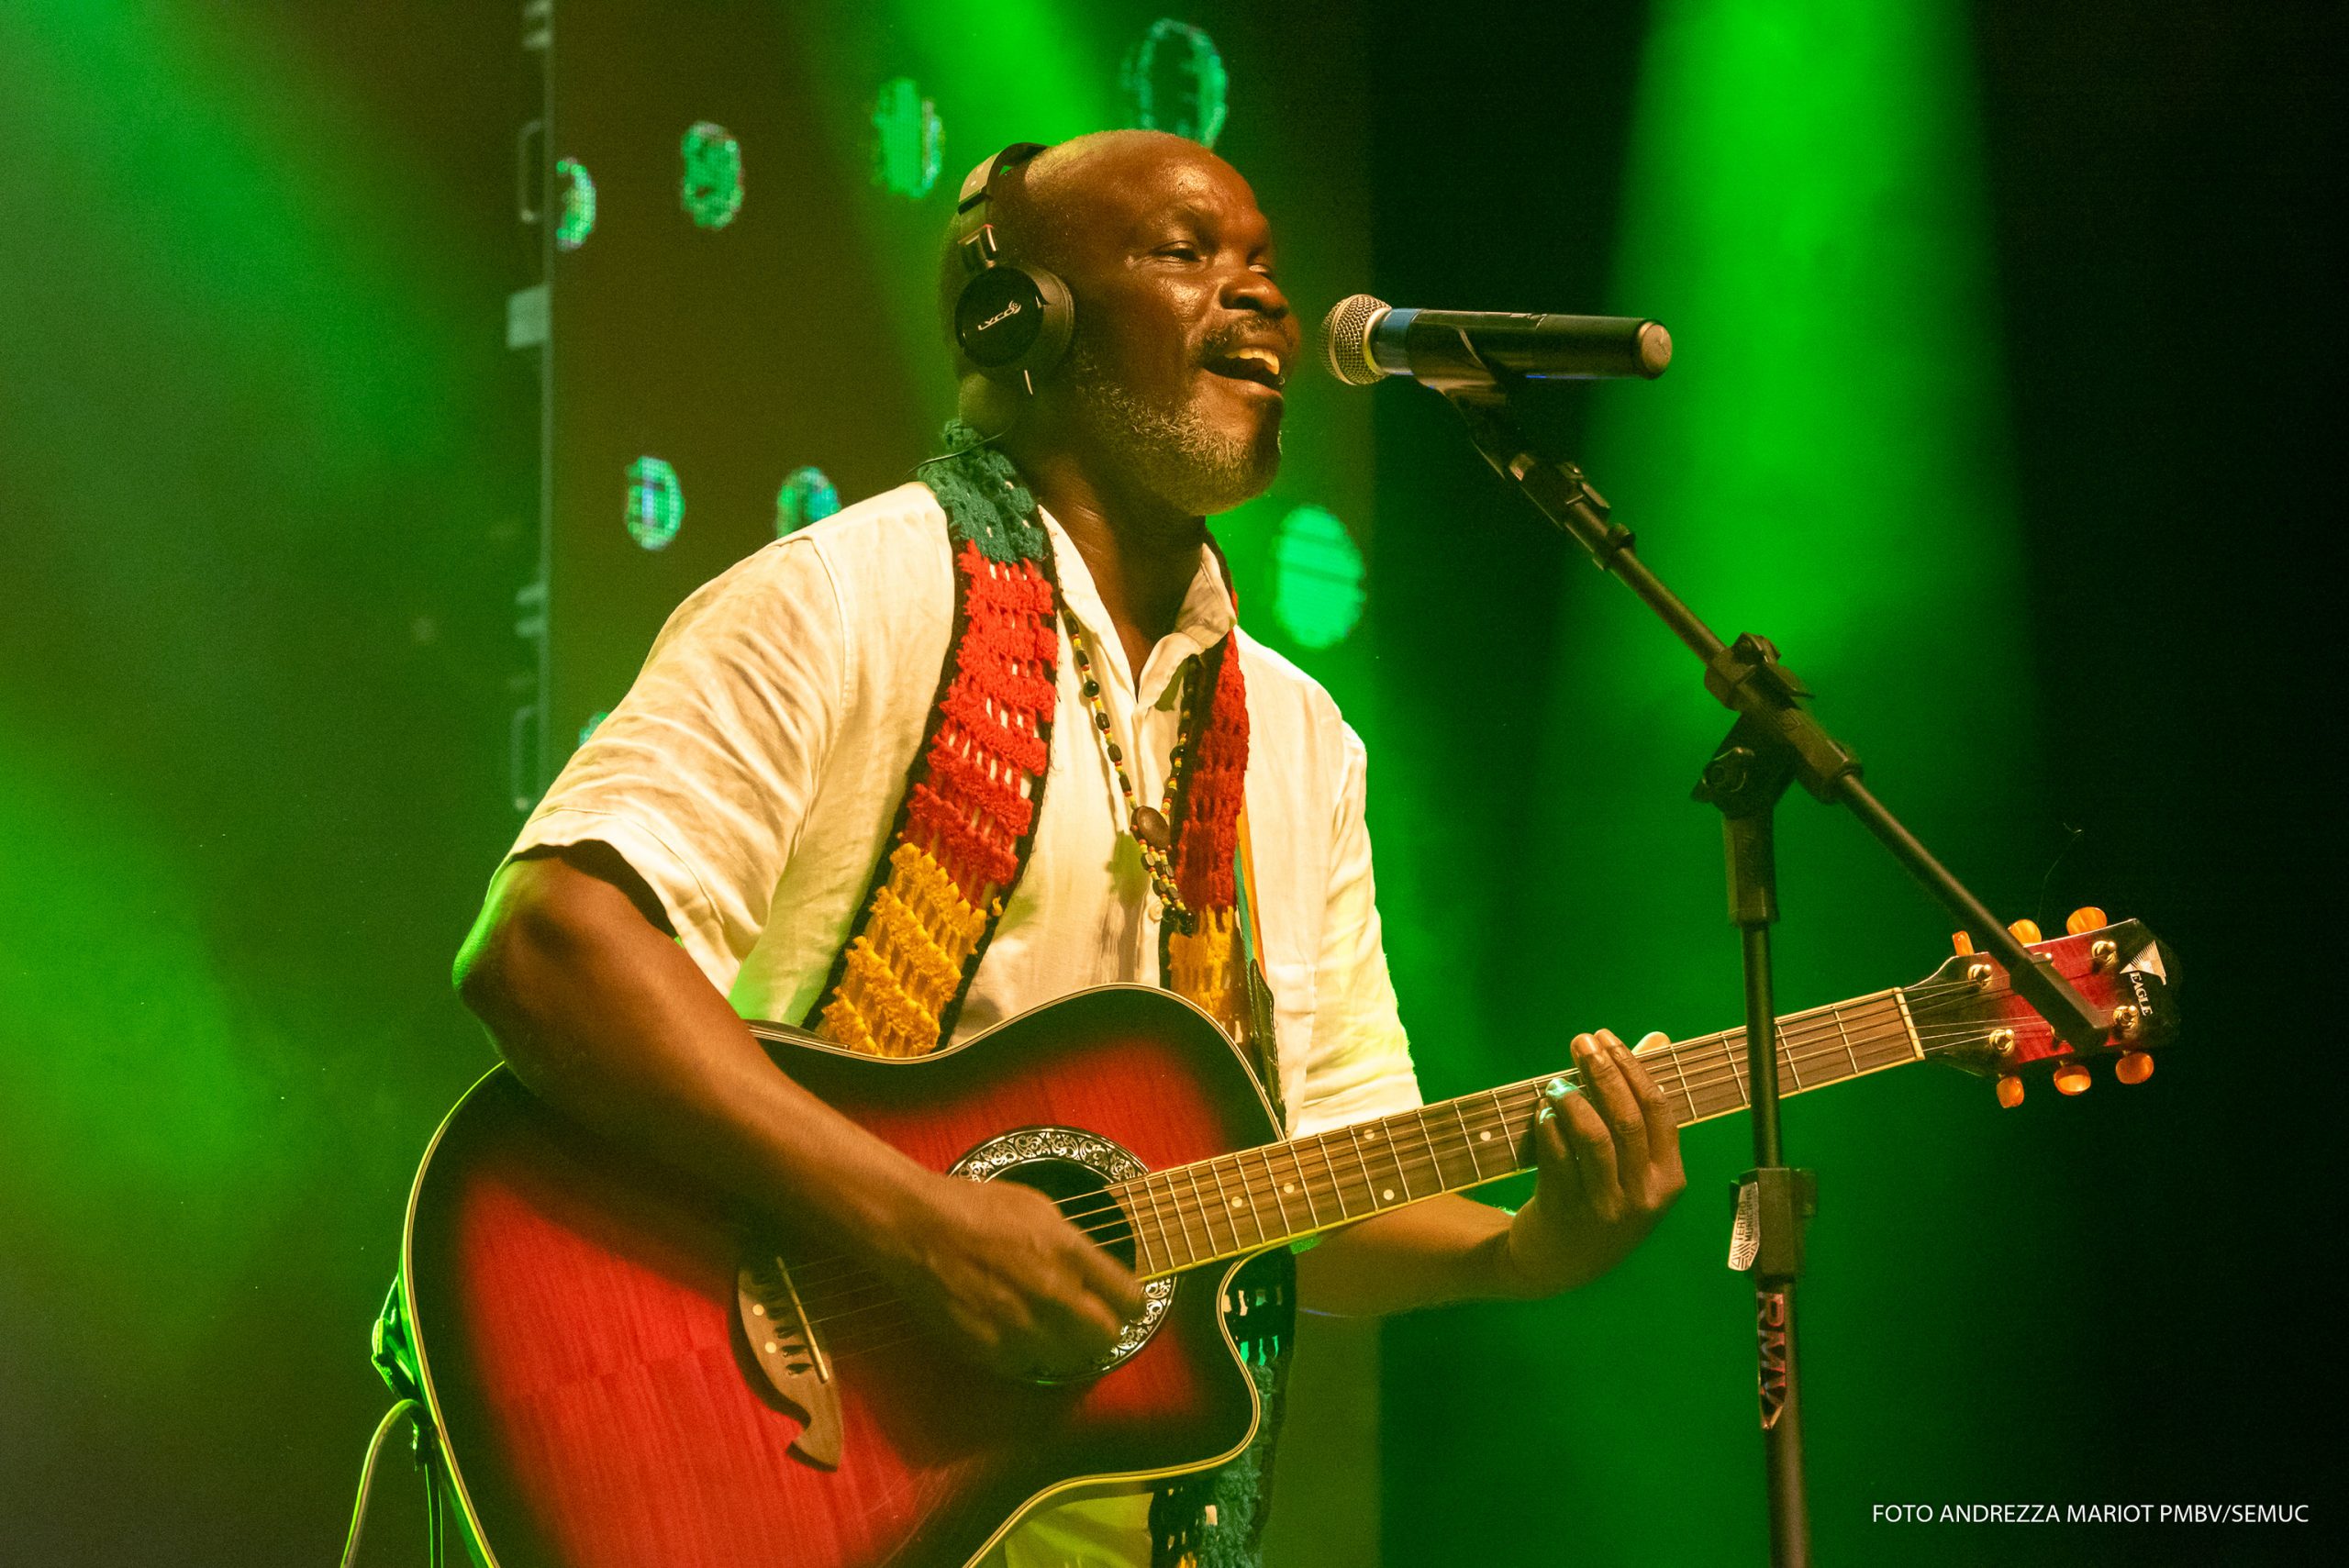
(908,140)
(711,189)
(656,506)
(593,720)
(1176,79)
(806,497)
(578,220)
(1317,578)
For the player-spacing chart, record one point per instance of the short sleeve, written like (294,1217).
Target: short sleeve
(702,778)
(1359,1061)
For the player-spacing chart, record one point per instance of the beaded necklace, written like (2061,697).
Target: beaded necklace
(1151,827)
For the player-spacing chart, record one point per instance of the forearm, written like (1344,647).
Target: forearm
(1446,1248)
(610,1022)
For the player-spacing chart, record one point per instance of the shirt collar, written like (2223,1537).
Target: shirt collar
(1206,618)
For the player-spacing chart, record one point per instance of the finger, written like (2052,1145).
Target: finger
(1593,1146)
(1655,1107)
(1107,1279)
(1603,1073)
(1551,1158)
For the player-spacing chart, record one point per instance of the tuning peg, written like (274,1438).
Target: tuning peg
(2024,931)
(1962,943)
(2086,918)
(2011,1090)
(2134,1068)
(2072,1078)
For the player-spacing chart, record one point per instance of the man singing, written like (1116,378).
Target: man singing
(985,740)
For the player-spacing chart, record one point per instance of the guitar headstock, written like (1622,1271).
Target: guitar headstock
(1966,1012)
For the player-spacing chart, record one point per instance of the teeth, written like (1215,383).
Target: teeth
(1264,357)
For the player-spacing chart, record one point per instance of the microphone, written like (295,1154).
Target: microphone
(1364,338)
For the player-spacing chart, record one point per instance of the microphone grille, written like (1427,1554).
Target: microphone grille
(1345,339)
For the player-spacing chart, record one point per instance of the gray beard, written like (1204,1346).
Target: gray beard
(1170,449)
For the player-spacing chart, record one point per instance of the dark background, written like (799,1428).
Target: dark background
(253,685)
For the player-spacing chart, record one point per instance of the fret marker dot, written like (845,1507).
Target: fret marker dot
(1288,1186)
(1239,1203)
(1485,1137)
(1387,1197)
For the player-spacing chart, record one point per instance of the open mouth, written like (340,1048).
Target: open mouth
(1261,366)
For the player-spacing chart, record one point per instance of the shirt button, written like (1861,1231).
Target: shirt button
(1157,910)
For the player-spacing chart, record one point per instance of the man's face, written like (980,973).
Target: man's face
(1182,338)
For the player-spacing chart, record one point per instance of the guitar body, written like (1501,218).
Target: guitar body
(575,1322)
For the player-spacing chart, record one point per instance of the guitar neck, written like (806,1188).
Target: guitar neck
(1237,1204)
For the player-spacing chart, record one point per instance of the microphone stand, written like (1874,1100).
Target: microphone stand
(1774,743)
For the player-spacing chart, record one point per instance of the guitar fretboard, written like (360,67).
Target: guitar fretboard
(1241,1203)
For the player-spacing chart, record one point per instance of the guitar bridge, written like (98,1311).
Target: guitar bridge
(783,1344)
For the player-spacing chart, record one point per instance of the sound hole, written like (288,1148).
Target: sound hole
(1082,1195)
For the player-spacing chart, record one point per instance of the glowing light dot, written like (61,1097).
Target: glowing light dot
(711,188)
(908,140)
(656,506)
(578,220)
(1176,78)
(806,497)
(1318,578)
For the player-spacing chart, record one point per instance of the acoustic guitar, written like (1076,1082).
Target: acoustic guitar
(626,1370)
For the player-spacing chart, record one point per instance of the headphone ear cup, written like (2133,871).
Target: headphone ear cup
(1014,321)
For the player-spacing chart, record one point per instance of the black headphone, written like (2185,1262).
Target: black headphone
(1013,321)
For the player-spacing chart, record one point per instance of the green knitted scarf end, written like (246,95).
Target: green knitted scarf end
(987,503)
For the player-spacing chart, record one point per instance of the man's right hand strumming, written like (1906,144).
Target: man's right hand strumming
(1007,1278)
(603,1015)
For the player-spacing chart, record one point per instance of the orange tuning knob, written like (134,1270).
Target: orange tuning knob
(2024,931)
(2134,1068)
(1962,943)
(2010,1091)
(2086,918)
(2071,1079)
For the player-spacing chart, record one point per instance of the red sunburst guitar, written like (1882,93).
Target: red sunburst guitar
(624,1372)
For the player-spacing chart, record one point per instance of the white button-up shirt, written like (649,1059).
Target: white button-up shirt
(752,772)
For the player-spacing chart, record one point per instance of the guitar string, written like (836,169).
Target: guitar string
(1709,1074)
(836,1297)
(873,1322)
(1922,999)
(1187,1213)
(817,1275)
(831,1304)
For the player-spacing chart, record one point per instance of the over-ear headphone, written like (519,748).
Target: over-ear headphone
(1012,320)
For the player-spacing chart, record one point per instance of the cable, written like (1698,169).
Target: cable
(415,1413)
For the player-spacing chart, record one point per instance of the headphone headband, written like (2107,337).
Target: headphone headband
(974,235)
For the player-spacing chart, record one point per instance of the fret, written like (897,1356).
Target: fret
(1909,1026)
(1213,1247)
(1369,1182)
(1435,1158)
(1226,1203)
(1681,1072)
(1247,1198)
(1305,1185)
(1123,1197)
(1337,1187)
(1467,1140)
(1148,1185)
(1837,1013)
(1273,1185)
(1737,1074)
(1787,1056)
(1508,1130)
(1381,1131)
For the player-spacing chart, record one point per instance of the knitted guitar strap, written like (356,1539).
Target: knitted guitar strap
(967,820)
